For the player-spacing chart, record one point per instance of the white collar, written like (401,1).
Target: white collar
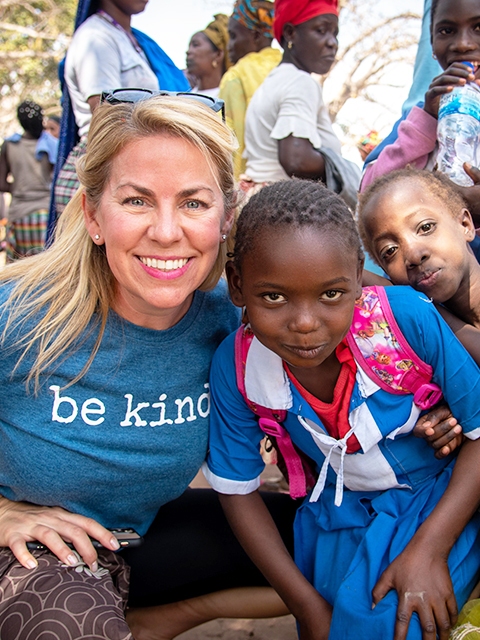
(266,382)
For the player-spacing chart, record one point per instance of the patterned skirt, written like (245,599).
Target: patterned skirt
(26,236)
(67,181)
(61,602)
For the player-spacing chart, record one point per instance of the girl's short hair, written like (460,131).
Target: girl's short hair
(295,203)
(435,183)
(72,280)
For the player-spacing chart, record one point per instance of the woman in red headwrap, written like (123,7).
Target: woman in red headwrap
(288,131)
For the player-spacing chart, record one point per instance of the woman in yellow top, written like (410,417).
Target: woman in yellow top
(249,47)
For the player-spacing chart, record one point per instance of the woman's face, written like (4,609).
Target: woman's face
(456,33)
(314,44)
(201,55)
(240,40)
(160,219)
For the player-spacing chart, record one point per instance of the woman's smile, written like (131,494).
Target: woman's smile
(161,225)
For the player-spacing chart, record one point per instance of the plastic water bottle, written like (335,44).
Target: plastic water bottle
(458,131)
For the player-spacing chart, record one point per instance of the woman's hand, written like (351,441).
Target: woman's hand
(21,522)
(440,429)
(457,74)
(422,581)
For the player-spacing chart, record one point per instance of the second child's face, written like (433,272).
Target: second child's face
(417,240)
(299,287)
(456,33)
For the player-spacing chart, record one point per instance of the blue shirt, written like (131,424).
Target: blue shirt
(131,434)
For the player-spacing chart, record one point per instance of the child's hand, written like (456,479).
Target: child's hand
(422,581)
(457,74)
(315,623)
(440,429)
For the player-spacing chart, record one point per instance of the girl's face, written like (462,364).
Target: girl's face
(417,240)
(456,33)
(299,286)
(315,44)
(160,219)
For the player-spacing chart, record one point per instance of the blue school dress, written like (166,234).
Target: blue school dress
(383,491)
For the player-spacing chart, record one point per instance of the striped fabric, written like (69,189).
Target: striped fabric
(26,236)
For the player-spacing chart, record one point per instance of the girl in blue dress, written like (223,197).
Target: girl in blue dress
(386,544)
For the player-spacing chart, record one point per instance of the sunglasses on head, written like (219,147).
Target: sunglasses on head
(132,95)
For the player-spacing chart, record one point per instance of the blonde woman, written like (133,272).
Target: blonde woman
(106,342)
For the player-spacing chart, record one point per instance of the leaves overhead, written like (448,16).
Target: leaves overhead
(372,42)
(33,40)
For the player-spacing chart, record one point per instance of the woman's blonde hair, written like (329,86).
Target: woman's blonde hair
(58,293)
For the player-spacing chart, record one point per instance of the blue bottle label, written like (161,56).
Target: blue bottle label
(463,100)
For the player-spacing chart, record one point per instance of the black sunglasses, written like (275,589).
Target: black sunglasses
(132,95)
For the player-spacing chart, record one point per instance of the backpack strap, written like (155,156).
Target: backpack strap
(298,471)
(382,351)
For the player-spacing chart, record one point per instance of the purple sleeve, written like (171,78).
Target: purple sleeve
(417,136)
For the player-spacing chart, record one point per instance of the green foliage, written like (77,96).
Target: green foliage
(33,39)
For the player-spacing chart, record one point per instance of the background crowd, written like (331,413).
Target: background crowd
(124,211)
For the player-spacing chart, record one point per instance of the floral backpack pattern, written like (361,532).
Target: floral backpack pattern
(380,348)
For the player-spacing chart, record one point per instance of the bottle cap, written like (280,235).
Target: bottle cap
(469,64)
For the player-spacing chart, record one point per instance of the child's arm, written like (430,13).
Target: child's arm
(417,136)
(256,531)
(439,427)
(420,574)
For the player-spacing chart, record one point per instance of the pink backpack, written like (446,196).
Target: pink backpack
(379,348)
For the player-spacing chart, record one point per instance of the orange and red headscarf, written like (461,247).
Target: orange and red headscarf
(298,11)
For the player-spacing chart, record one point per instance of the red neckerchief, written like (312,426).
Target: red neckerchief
(334,415)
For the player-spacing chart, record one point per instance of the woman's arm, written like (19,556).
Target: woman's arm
(299,159)
(256,531)
(420,574)
(21,522)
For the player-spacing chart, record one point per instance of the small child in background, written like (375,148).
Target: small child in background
(31,175)
(385,514)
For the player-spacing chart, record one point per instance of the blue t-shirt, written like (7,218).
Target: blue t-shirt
(131,434)
(390,456)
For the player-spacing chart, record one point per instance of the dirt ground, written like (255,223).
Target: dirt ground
(269,629)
